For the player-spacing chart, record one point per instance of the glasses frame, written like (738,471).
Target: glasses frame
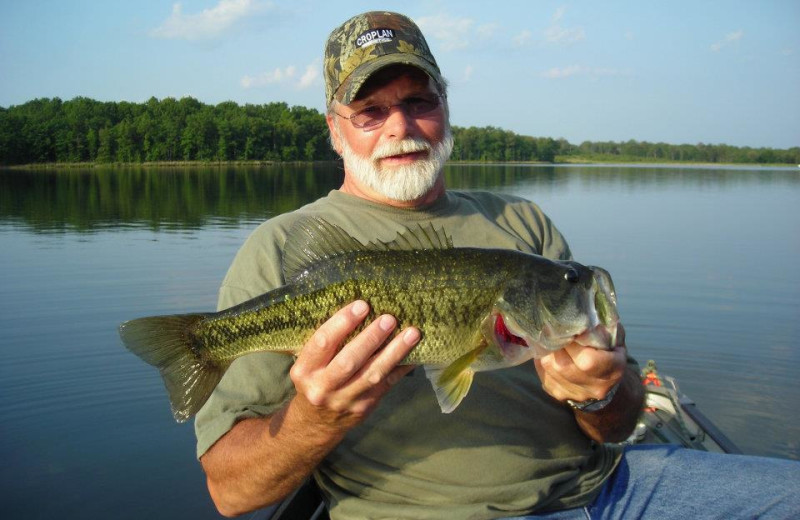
(386,110)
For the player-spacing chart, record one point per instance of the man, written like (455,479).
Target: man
(370,429)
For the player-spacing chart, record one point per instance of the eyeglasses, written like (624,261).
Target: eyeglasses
(374,116)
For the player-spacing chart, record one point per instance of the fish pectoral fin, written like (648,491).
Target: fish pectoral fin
(451,383)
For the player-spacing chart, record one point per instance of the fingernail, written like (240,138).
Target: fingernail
(386,323)
(359,308)
(411,336)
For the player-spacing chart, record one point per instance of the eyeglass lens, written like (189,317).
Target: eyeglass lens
(376,114)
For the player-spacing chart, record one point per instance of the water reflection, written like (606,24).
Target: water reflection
(487,176)
(84,200)
(492,176)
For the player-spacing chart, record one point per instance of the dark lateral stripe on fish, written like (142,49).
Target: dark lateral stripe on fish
(258,317)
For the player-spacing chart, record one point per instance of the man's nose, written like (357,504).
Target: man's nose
(399,124)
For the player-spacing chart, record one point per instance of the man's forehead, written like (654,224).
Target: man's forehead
(416,78)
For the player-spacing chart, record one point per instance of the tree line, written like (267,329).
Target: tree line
(701,153)
(49,130)
(85,130)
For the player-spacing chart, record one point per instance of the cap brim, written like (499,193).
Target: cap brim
(350,87)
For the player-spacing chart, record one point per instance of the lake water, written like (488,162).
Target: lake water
(705,262)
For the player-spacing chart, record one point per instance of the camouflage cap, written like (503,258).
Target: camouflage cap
(365,44)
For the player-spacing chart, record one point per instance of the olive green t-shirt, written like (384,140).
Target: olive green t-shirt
(507,450)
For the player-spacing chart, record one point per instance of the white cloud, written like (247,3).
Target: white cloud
(455,33)
(452,32)
(270,77)
(287,76)
(559,14)
(468,72)
(310,76)
(579,70)
(729,38)
(522,38)
(208,23)
(556,33)
(562,72)
(486,30)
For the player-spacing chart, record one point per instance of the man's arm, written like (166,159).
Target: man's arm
(580,373)
(261,460)
(615,422)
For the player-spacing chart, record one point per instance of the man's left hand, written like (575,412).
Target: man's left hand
(579,373)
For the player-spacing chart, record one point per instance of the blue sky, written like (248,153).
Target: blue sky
(677,72)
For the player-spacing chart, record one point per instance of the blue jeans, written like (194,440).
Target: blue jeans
(666,482)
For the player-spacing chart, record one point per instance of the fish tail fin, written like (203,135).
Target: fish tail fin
(167,343)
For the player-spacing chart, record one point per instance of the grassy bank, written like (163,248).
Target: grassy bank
(627,159)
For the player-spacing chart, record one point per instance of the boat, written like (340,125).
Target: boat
(671,417)
(668,417)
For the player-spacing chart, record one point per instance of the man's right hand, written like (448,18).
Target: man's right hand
(261,460)
(341,385)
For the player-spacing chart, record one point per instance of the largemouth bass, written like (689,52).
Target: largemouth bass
(477,309)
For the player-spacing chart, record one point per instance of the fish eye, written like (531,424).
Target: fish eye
(572,275)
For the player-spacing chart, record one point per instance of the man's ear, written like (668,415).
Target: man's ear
(335,137)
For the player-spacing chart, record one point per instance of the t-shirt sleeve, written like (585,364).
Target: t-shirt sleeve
(531,224)
(256,384)
(554,245)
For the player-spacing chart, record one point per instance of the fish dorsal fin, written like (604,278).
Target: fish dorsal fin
(421,237)
(314,239)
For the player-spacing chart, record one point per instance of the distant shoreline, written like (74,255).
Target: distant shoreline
(153,164)
(655,162)
(560,161)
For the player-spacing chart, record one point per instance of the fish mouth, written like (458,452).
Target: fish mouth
(600,337)
(512,338)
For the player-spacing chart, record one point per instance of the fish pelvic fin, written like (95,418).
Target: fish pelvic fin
(167,343)
(452,383)
(314,239)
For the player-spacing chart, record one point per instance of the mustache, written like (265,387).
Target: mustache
(407,145)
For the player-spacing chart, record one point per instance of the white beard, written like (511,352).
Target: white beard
(400,183)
